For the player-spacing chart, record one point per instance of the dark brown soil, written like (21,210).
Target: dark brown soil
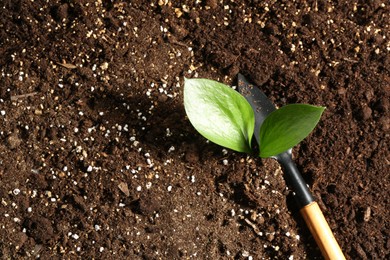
(99,161)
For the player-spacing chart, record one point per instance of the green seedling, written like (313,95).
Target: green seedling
(223,116)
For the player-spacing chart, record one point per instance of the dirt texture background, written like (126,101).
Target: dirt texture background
(97,158)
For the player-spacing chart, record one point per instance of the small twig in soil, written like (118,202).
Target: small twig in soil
(172,40)
(255,228)
(350,60)
(67,65)
(367,214)
(16,97)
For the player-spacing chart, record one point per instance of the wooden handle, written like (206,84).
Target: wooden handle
(321,232)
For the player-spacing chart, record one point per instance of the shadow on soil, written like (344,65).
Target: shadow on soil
(158,126)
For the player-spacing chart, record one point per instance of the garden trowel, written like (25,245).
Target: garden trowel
(309,209)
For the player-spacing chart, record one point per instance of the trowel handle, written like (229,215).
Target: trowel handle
(309,209)
(321,232)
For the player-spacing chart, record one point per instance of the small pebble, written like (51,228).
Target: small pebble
(341,91)
(270,237)
(260,220)
(212,3)
(124,188)
(366,112)
(245,253)
(13,141)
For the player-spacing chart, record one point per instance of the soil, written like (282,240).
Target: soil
(98,159)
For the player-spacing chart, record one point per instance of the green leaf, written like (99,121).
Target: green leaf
(219,113)
(286,127)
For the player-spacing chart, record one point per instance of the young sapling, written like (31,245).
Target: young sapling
(225,117)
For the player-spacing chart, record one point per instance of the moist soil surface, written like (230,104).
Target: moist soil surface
(97,157)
